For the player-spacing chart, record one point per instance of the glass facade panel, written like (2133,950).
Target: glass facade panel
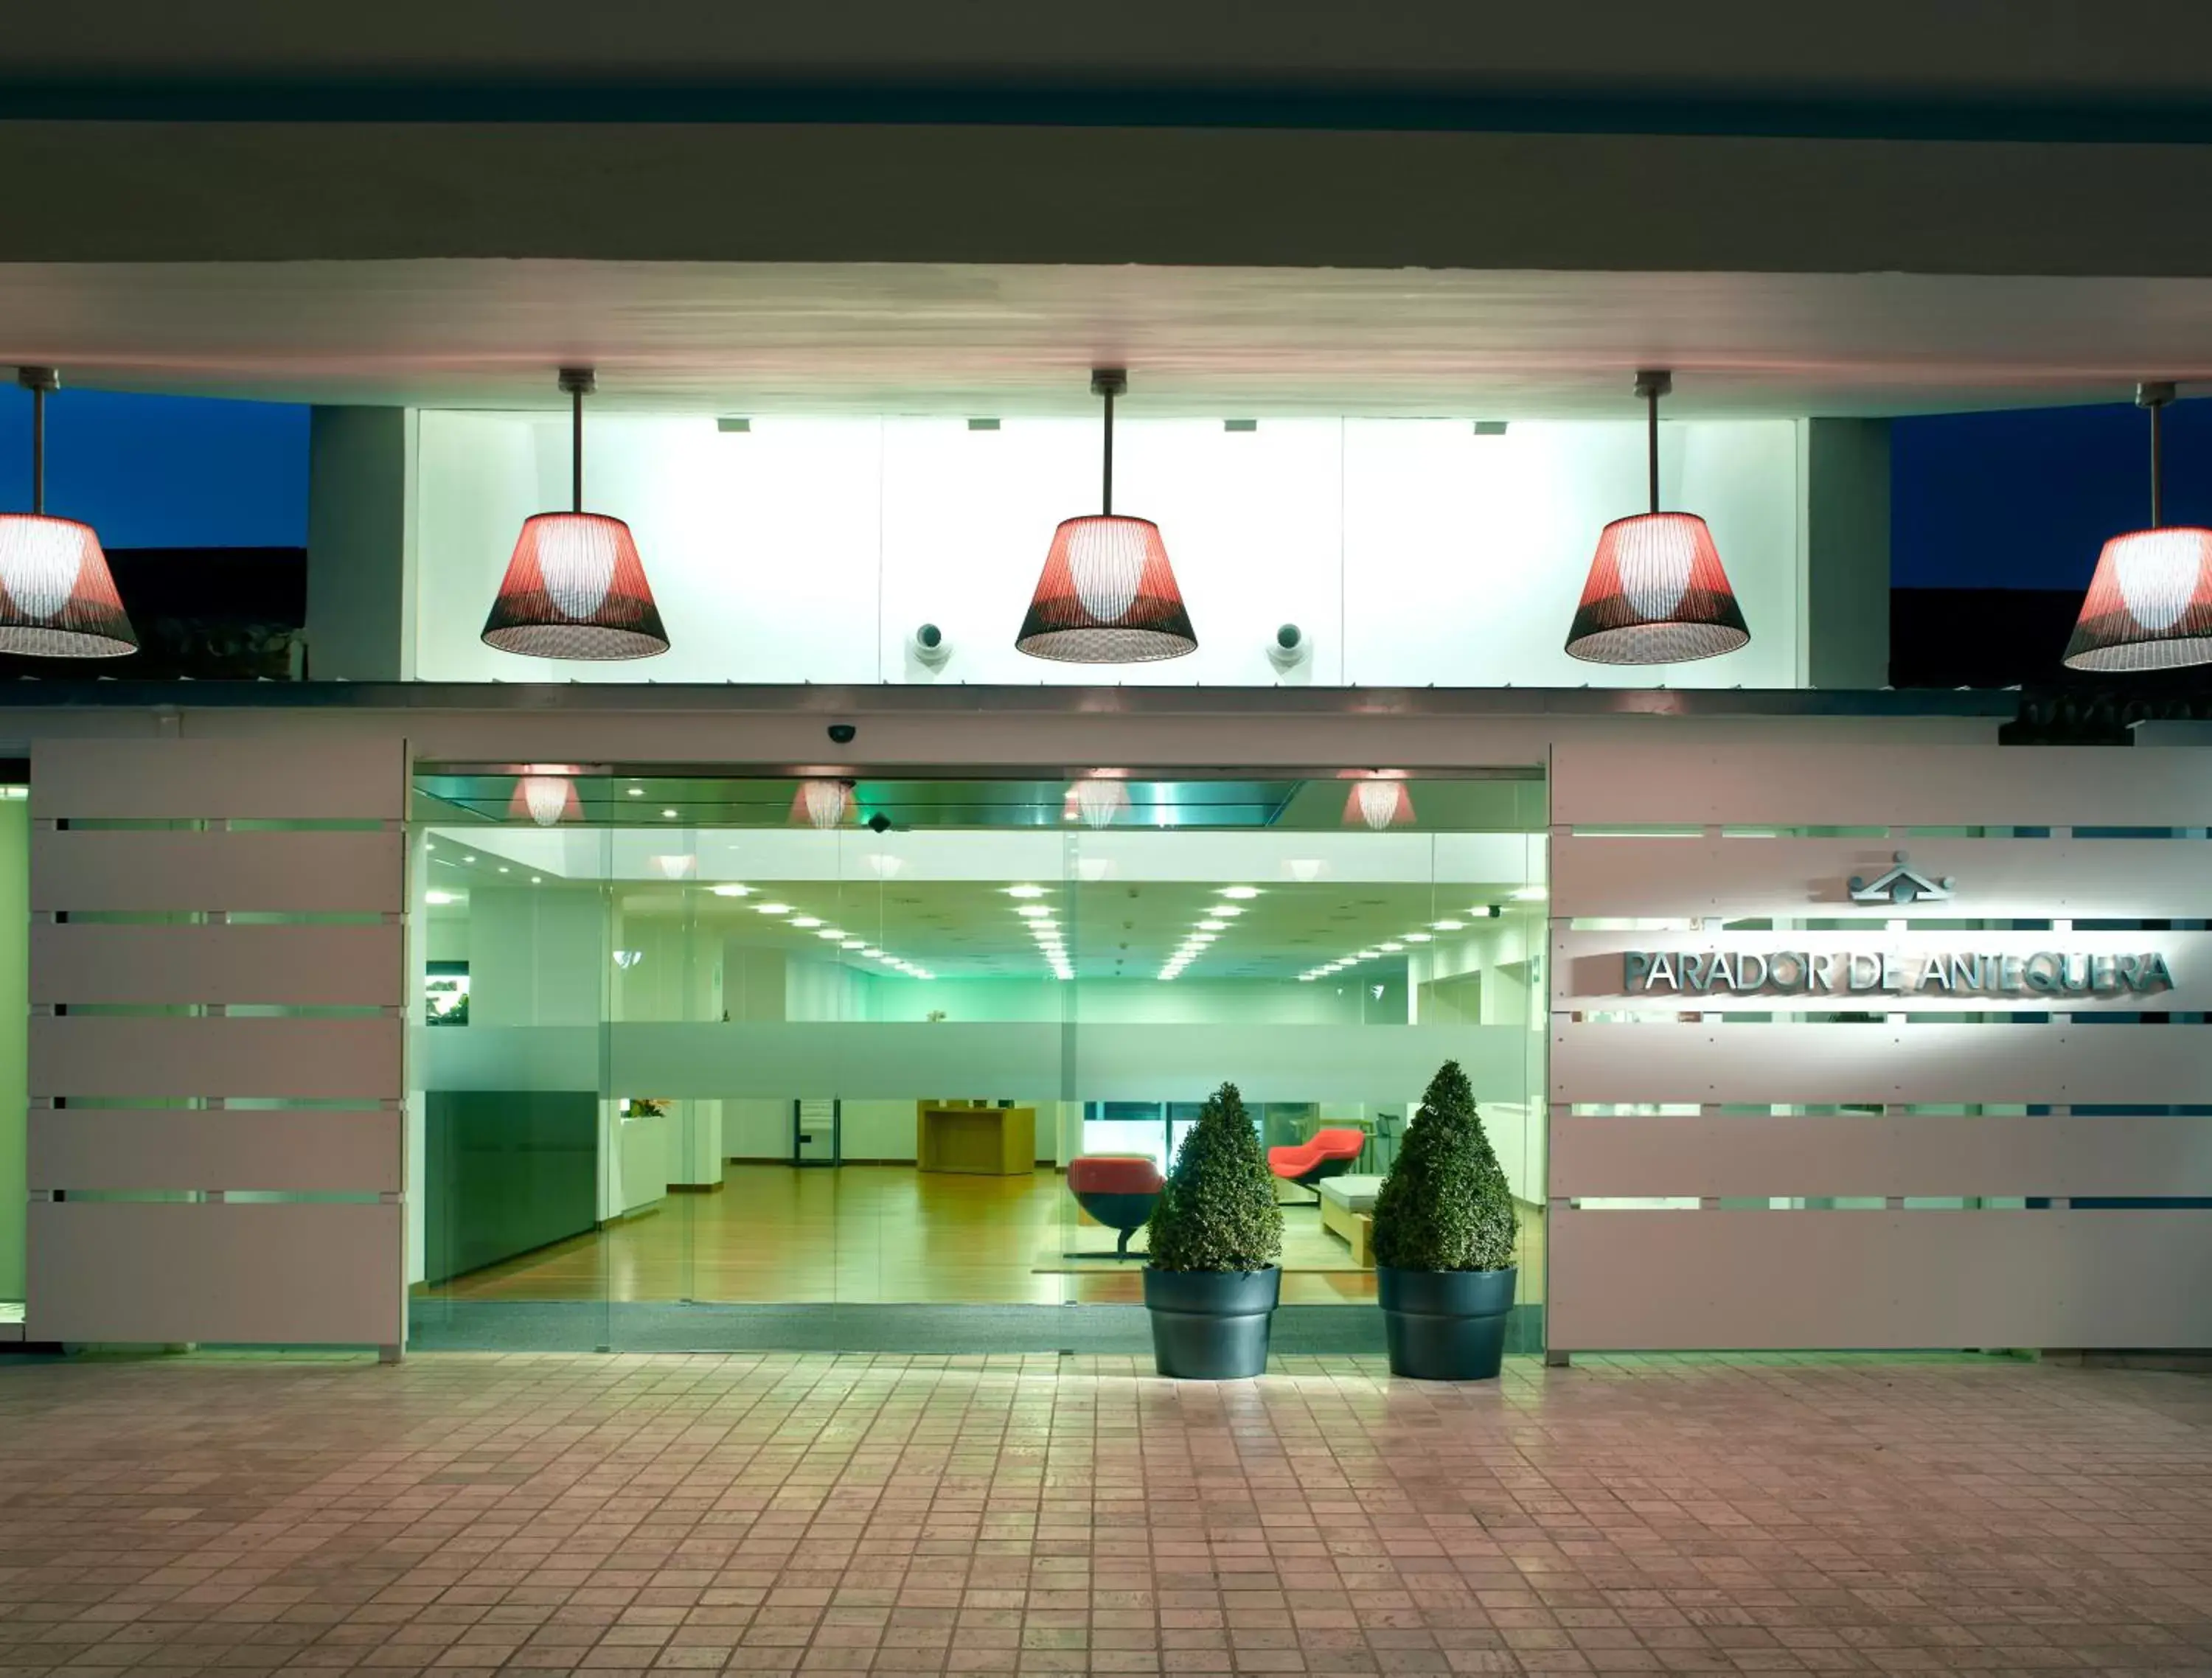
(710,1061)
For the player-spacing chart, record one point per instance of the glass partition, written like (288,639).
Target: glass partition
(708,1061)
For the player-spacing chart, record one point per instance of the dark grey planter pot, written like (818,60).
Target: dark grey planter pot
(1445,1325)
(1211,1325)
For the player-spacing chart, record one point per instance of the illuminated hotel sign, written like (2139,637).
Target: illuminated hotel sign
(1885,973)
(2017,972)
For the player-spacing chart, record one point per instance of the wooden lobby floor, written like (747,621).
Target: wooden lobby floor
(878,1234)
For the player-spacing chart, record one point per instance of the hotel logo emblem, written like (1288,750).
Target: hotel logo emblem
(1903,884)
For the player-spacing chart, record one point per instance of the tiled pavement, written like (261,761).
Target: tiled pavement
(546,1514)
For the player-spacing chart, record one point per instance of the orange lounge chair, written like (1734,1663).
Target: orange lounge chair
(1326,1153)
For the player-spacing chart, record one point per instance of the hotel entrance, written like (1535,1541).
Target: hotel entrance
(701,1061)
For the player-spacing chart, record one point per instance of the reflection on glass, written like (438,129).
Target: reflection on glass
(684,1076)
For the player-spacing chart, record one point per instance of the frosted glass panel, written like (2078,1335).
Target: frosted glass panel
(1409,552)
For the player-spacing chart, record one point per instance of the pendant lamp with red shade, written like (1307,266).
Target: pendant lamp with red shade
(1657,592)
(58,599)
(575,587)
(2149,604)
(1107,594)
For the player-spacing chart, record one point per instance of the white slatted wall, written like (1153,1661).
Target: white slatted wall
(1711,1273)
(185,1163)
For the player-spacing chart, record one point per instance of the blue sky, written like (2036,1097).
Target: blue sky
(2018,499)
(164,471)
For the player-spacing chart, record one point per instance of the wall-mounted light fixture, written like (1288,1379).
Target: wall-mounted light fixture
(929,647)
(1288,648)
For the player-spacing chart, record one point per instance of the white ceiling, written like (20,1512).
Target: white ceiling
(942,338)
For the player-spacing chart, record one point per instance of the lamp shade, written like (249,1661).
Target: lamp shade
(2149,606)
(547,800)
(1108,596)
(823,804)
(575,589)
(1656,594)
(1380,802)
(56,597)
(1100,798)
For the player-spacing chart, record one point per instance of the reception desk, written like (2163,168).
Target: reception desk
(978,1141)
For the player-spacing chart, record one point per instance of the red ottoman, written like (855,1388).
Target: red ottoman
(1120,1191)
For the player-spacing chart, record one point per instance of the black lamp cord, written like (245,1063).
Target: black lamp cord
(2157,465)
(1106,490)
(2154,394)
(40,381)
(1651,439)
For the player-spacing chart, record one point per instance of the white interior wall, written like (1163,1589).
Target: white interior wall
(1412,551)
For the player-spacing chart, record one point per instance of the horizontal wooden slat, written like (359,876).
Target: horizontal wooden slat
(336,778)
(305,1059)
(1767,1061)
(296,966)
(275,1273)
(90,1147)
(1714,1280)
(1623,782)
(170,869)
(1927,1154)
(1590,971)
(1995,879)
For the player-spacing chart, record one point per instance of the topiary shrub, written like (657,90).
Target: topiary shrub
(1445,1204)
(1218,1210)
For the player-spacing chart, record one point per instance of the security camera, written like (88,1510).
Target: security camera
(880,822)
(929,647)
(843,732)
(1289,649)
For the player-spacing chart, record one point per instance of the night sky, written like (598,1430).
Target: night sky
(2018,499)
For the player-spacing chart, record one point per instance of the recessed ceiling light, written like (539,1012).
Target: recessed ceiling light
(636,791)
(1448,926)
(1025,891)
(805,923)
(830,933)
(1033,911)
(1391,948)
(468,859)
(668,815)
(1224,911)
(1529,894)
(537,880)
(504,869)
(772,908)
(1365,955)
(440,897)
(1213,926)
(1418,937)
(732,889)
(855,943)
(870,950)
(1241,893)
